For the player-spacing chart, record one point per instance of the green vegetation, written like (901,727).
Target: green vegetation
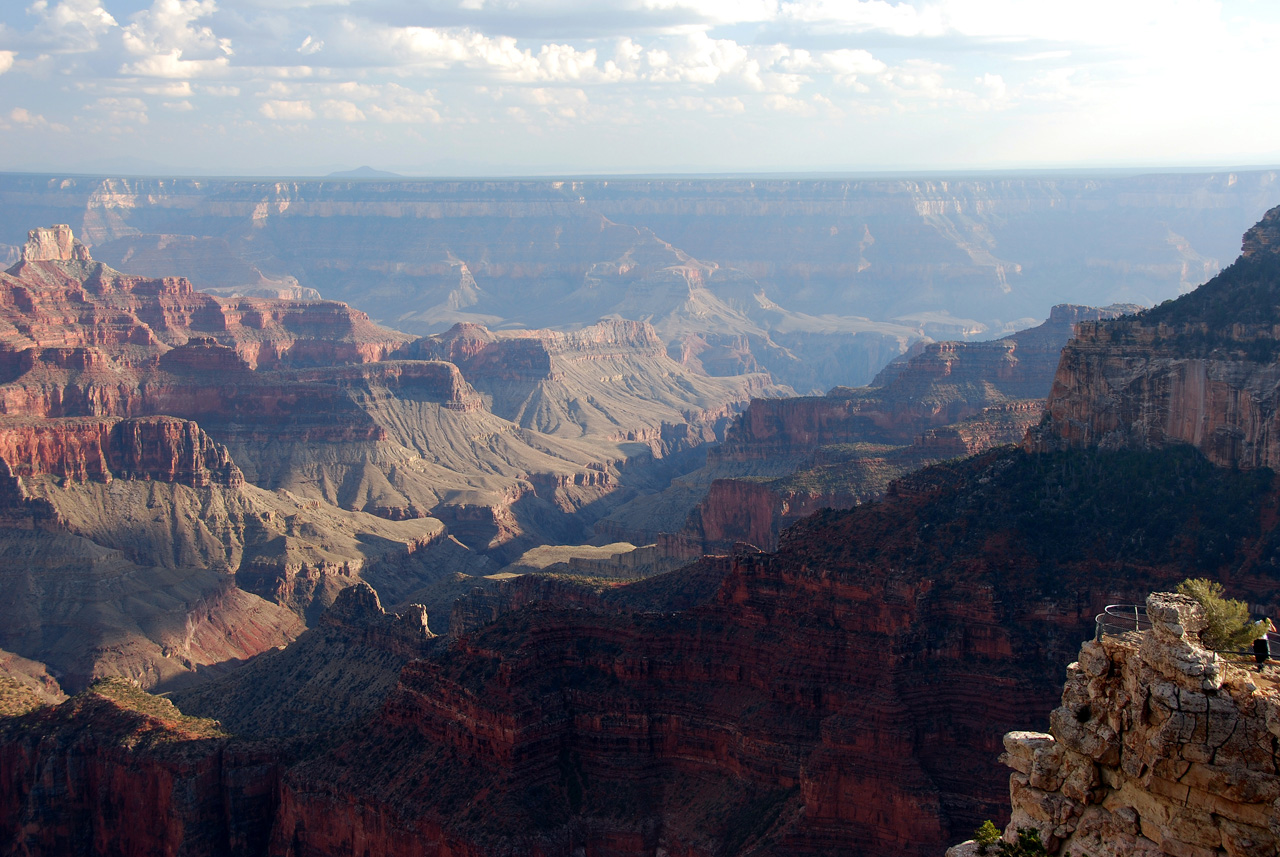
(1028,845)
(986,836)
(129,697)
(1246,293)
(16,698)
(1229,626)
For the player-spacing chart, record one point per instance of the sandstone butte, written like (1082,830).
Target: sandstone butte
(1160,747)
(844,694)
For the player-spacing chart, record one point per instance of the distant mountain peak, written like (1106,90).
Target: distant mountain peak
(365,172)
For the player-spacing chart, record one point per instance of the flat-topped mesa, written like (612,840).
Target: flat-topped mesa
(607,336)
(485,357)
(54,244)
(203,354)
(425,380)
(1202,370)
(612,379)
(1159,747)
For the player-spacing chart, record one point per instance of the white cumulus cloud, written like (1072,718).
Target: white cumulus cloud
(71,26)
(287,111)
(169,43)
(344,111)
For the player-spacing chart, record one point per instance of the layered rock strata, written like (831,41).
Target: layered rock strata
(854,679)
(786,458)
(804,703)
(59,297)
(332,677)
(818,281)
(116,771)
(231,465)
(1160,747)
(166,449)
(1200,370)
(612,379)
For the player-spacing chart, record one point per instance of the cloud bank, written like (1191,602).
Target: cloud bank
(561,85)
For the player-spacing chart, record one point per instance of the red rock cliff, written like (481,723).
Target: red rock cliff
(161,448)
(846,694)
(1201,370)
(115,772)
(58,297)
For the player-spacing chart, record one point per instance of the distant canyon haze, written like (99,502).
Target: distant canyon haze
(818,282)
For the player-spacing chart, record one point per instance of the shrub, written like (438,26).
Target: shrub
(1028,844)
(1229,626)
(986,836)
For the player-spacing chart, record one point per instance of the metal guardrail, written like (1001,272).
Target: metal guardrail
(1116,619)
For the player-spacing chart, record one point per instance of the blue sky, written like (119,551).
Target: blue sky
(528,87)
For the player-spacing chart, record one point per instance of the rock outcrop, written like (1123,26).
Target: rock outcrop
(332,677)
(166,449)
(856,678)
(805,703)
(846,693)
(234,464)
(1160,747)
(1200,370)
(116,771)
(53,244)
(58,297)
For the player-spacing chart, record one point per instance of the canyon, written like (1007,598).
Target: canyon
(819,282)
(1200,372)
(786,458)
(254,477)
(233,463)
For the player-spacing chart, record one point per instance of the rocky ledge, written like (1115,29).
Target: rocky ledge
(1160,747)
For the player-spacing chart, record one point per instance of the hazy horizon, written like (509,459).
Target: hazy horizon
(761,175)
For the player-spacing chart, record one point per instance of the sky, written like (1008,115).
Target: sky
(588,87)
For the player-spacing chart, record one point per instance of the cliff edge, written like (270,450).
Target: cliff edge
(1200,370)
(1160,747)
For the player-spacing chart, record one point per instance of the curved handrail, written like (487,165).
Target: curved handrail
(1116,619)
